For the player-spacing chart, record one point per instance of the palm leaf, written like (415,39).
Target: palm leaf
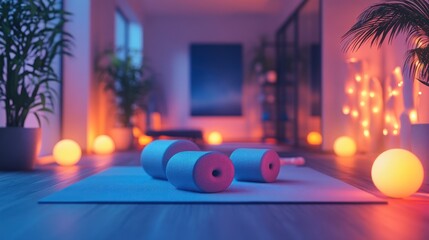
(31,36)
(385,21)
(418,64)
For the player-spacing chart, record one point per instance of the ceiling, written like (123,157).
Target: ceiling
(213,7)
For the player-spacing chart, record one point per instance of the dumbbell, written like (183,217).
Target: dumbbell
(260,165)
(187,168)
(255,165)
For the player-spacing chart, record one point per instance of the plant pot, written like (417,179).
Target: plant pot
(19,148)
(419,146)
(123,138)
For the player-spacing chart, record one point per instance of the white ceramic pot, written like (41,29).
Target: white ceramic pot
(420,147)
(123,138)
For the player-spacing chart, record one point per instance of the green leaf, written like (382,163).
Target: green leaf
(31,36)
(37,118)
(384,21)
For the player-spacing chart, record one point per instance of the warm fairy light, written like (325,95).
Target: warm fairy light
(393,93)
(397,173)
(314,138)
(346,110)
(395,132)
(358,78)
(365,99)
(385,132)
(397,70)
(344,147)
(366,133)
(67,152)
(352,60)
(400,84)
(396,126)
(413,116)
(144,140)
(388,119)
(137,132)
(420,92)
(214,138)
(103,144)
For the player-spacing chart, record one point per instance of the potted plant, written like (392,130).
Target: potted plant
(31,36)
(383,22)
(130,83)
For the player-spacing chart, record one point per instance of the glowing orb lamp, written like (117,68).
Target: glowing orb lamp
(137,132)
(144,140)
(344,147)
(215,138)
(397,173)
(314,138)
(103,144)
(67,152)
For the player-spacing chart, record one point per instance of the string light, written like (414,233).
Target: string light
(346,110)
(358,78)
(366,133)
(397,70)
(413,116)
(364,102)
(388,119)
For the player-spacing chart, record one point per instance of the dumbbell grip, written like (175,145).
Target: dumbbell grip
(297,161)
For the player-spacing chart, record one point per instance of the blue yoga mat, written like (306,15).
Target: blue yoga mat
(133,185)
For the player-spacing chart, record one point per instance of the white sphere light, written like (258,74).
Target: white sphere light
(397,173)
(103,144)
(344,147)
(67,152)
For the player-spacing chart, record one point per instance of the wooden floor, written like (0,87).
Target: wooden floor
(21,217)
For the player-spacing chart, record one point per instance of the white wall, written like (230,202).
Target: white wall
(337,18)
(86,106)
(285,13)
(167,41)
(77,73)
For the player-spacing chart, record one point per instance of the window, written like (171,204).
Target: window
(128,37)
(121,34)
